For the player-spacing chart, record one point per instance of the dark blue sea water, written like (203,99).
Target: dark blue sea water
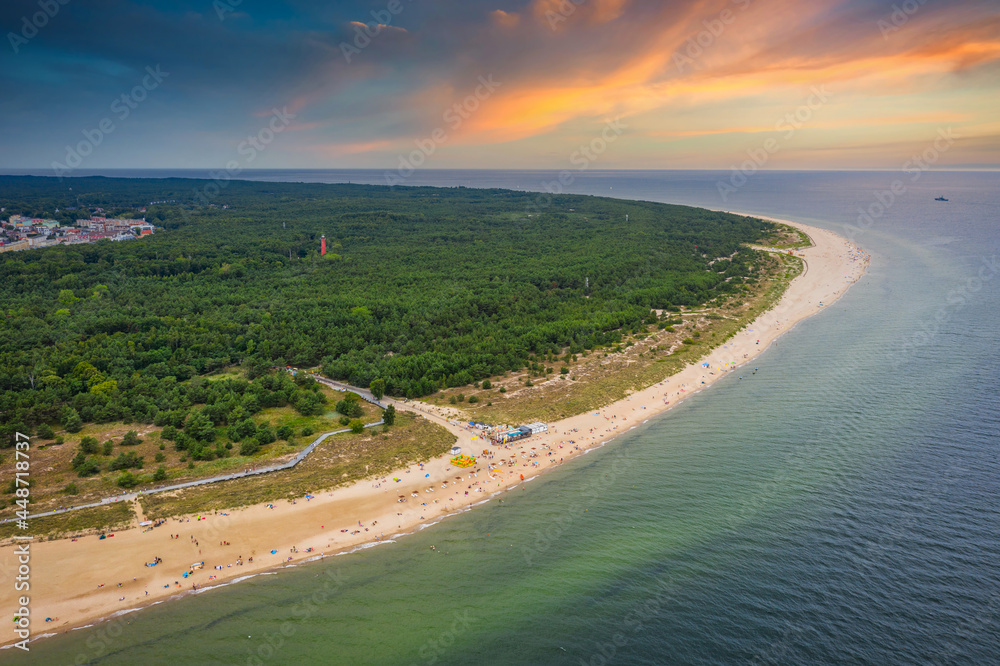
(841,506)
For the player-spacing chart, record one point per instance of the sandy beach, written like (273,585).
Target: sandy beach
(78,581)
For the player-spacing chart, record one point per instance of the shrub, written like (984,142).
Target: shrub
(59,441)
(168,433)
(389,416)
(249,447)
(264,434)
(285,433)
(473,400)
(159,457)
(88,445)
(126,461)
(84,466)
(307,431)
(71,489)
(503,389)
(343,420)
(71,420)
(529,383)
(183,442)
(45,431)
(357,426)
(161,474)
(564,370)
(308,403)
(236,431)
(200,427)
(351,408)
(487,384)
(128,480)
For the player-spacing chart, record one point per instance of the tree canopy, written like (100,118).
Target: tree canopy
(422,288)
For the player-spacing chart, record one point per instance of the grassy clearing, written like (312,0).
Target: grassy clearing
(339,460)
(52,473)
(84,521)
(226,373)
(787,238)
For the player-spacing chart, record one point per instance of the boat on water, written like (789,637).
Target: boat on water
(940,199)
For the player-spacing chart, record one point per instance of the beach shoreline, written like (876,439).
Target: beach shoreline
(82,581)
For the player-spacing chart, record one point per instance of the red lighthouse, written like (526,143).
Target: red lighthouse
(322,245)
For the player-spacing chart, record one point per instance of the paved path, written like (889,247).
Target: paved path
(419,408)
(427,411)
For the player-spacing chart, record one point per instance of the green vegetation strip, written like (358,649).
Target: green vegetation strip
(340,460)
(98,519)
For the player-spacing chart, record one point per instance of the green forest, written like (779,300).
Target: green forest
(424,288)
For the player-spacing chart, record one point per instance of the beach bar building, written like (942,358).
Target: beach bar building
(536,428)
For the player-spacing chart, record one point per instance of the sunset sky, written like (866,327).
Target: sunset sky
(833,84)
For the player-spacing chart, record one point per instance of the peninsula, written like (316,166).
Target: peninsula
(82,577)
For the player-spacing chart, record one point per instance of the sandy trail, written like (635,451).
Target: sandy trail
(77,581)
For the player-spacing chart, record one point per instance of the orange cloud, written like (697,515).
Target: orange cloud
(607,10)
(556,13)
(380,26)
(850,123)
(505,19)
(760,66)
(781,69)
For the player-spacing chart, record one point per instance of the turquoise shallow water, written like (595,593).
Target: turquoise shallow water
(839,506)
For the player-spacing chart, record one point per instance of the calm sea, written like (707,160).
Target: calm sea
(840,506)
